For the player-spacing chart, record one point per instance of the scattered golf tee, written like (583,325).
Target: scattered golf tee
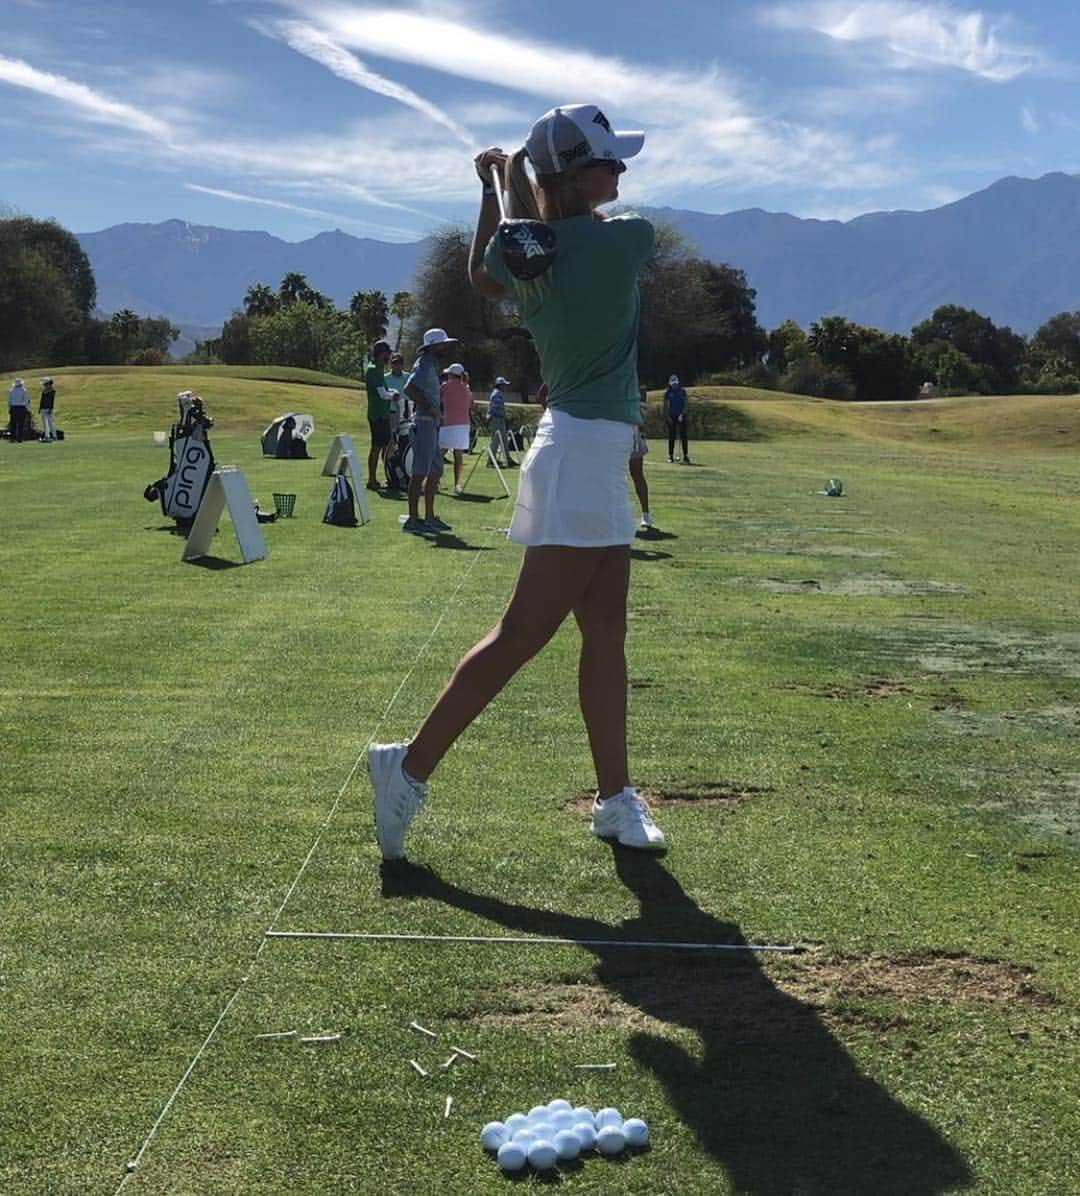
(460,1051)
(418,1069)
(422,1030)
(450,1062)
(595,1066)
(321,1038)
(447,1107)
(277,1034)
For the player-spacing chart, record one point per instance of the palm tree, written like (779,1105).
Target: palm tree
(370,315)
(260,300)
(294,286)
(403,307)
(125,324)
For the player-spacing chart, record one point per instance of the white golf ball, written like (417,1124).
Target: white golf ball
(556,1106)
(537,1112)
(567,1144)
(543,1129)
(524,1138)
(564,1119)
(636,1131)
(493,1135)
(584,1113)
(515,1122)
(608,1117)
(542,1155)
(610,1140)
(511,1156)
(585,1133)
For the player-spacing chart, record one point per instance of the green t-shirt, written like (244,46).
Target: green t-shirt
(377,406)
(583,313)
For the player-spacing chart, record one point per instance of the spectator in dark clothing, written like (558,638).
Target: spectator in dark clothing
(45,407)
(19,411)
(675,413)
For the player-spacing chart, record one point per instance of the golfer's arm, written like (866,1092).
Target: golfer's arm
(486,224)
(418,397)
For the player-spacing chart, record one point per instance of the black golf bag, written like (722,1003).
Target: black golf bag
(397,464)
(341,507)
(191,462)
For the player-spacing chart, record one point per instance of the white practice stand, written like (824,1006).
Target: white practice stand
(489,456)
(341,459)
(226,488)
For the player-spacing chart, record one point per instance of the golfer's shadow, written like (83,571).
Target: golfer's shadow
(771,1094)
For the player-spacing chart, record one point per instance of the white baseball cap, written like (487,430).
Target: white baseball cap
(574,135)
(501,381)
(457,369)
(673,380)
(437,336)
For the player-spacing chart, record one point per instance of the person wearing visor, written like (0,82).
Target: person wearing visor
(573,512)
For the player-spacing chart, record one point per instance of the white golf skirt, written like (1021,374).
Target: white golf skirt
(573,485)
(454,436)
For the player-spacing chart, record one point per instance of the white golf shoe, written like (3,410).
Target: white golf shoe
(397,799)
(646,520)
(626,818)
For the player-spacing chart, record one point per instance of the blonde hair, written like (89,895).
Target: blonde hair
(550,197)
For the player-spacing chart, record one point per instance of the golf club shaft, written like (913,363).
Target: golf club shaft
(497,180)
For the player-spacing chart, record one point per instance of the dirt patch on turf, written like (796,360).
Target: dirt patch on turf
(730,992)
(958,648)
(784,548)
(1046,802)
(878,687)
(676,793)
(866,585)
(1063,720)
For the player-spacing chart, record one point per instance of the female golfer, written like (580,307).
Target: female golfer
(573,510)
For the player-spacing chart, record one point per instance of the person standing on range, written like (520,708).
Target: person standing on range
(18,411)
(573,512)
(46,405)
(675,413)
(496,414)
(423,390)
(457,403)
(378,409)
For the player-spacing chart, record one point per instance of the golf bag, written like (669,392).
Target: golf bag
(341,507)
(397,464)
(191,462)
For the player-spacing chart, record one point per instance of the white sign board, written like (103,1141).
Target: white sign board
(342,458)
(227,488)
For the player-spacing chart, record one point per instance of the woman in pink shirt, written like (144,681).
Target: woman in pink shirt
(457,402)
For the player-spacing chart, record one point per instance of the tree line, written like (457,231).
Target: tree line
(698,319)
(47,300)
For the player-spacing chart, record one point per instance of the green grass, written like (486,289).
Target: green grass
(858,719)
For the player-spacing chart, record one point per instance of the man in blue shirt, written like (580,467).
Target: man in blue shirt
(675,413)
(423,389)
(496,415)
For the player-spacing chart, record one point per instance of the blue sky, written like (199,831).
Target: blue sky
(297,116)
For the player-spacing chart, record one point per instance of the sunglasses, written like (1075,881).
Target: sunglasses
(614,165)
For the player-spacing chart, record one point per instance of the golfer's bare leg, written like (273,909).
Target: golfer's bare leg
(637,476)
(601,616)
(416,484)
(550,584)
(431,486)
(459,456)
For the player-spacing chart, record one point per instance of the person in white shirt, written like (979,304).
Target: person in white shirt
(18,411)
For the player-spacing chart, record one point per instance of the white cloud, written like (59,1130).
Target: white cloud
(1029,120)
(313,43)
(701,133)
(239,197)
(917,34)
(90,104)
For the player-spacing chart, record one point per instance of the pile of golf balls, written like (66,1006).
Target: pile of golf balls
(558,1131)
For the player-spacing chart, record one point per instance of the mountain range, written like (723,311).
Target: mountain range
(1011,251)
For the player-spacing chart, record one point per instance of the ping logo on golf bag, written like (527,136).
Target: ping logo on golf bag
(184,487)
